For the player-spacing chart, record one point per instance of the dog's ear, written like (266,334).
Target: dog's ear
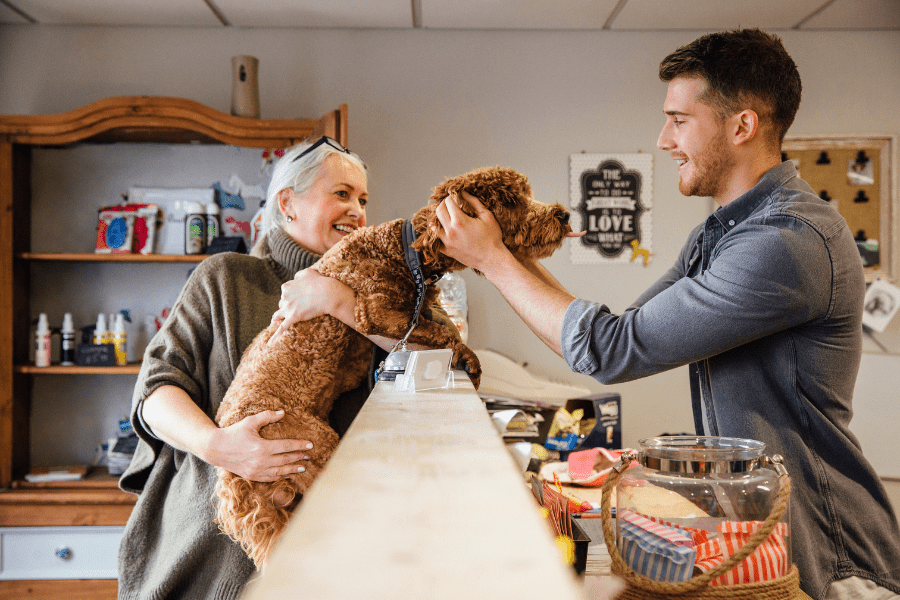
(464,204)
(428,243)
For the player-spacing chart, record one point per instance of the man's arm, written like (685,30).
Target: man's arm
(538,298)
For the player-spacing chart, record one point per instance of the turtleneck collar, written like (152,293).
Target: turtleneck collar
(287,253)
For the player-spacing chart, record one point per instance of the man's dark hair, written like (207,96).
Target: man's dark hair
(745,68)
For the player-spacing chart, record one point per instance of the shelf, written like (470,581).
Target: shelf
(50,589)
(133,258)
(132,119)
(96,478)
(165,120)
(77,503)
(131,369)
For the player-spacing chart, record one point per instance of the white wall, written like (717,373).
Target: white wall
(424,105)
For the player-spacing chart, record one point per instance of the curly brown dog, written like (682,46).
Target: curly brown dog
(314,362)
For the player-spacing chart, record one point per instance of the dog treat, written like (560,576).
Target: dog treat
(769,560)
(315,361)
(655,550)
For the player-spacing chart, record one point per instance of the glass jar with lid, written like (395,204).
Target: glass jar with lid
(700,511)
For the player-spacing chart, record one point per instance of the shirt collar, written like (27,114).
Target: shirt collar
(733,213)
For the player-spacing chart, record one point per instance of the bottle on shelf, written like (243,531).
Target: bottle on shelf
(120,340)
(101,334)
(67,341)
(194,228)
(212,223)
(42,342)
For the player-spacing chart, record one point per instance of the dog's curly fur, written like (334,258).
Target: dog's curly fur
(315,361)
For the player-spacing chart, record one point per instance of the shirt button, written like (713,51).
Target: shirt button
(731,223)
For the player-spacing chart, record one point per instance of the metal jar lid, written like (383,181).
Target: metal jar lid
(700,455)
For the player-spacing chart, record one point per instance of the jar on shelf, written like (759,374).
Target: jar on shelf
(700,513)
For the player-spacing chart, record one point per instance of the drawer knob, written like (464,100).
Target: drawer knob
(64,553)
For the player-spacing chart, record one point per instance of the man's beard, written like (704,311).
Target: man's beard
(710,169)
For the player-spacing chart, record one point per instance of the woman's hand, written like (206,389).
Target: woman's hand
(173,417)
(309,295)
(240,449)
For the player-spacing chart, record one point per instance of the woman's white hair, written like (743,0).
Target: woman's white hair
(298,175)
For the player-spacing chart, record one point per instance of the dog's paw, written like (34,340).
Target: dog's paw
(467,360)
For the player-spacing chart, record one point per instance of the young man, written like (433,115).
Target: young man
(764,303)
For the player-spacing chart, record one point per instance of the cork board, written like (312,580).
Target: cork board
(850,185)
(856,175)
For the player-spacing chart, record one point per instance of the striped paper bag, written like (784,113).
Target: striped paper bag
(699,536)
(655,550)
(769,561)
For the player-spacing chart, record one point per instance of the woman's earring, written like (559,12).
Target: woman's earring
(289,218)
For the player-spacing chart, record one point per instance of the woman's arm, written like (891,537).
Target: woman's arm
(174,418)
(310,294)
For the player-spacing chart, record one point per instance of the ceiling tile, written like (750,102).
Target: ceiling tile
(10,16)
(189,13)
(516,14)
(318,13)
(703,15)
(718,15)
(857,14)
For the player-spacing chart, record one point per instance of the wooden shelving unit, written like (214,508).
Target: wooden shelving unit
(134,119)
(128,258)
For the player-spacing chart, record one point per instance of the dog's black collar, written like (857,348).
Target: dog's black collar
(414,261)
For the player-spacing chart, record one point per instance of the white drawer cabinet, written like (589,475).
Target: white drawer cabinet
(59,552)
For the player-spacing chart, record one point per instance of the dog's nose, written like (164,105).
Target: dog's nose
(563,217)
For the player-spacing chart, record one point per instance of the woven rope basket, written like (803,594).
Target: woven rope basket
(698,587)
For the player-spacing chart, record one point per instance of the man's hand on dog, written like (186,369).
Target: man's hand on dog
(473,241)
(240,449)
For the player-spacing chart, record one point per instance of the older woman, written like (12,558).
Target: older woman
(171,547)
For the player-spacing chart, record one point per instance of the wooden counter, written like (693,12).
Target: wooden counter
(420,500)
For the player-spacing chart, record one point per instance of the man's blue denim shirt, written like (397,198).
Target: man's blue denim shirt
(765,304)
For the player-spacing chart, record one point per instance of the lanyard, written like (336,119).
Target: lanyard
(414,262)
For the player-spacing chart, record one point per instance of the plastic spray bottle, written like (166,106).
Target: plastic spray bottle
(67,341)
(42,342)
(101,334)
(120,340)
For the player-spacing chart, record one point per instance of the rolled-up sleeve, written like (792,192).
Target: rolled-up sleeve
(576,335)
(761,281)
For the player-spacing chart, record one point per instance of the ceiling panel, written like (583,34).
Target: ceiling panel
(857,14)
(516,14)
(718,15)
(189,13)
(317,13)
(467,14)
(11,16)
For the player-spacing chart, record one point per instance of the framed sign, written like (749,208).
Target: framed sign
(611,197)
(858,176)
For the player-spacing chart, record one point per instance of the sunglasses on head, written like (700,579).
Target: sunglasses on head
(322,140)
